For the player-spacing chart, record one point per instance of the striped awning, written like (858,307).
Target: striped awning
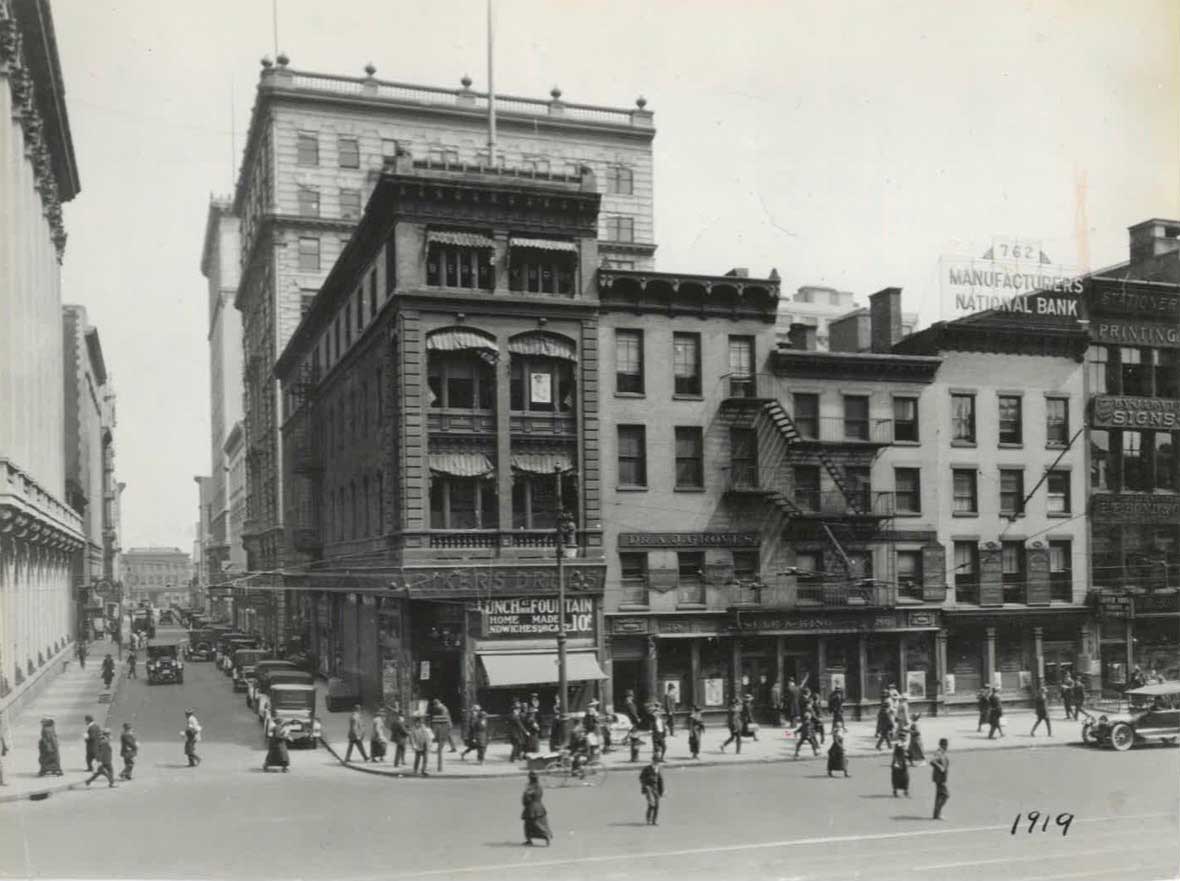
(456,339)
(550,345)
(461,464)
(543,244)
(462,239)
(542,463)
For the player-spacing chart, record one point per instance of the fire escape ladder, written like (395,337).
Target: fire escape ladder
(784,503)
(790,433)
(844,560)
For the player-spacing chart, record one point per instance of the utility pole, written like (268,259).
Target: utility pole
(563,530)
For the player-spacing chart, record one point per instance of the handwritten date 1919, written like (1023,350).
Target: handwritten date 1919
(1035,819)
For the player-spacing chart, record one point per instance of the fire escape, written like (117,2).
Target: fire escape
(306,463)
(768,446)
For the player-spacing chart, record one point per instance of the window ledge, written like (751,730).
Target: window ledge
(1056,445)
(630,395)
(907,513)
(631,489)
(697,397)
(634,607)
(1011,445)
(964,513)
(963,443)
(1059,515)
(690,607)
(688,489)
(906,443)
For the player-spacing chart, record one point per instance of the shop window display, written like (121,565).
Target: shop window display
(880,667)
(964,658)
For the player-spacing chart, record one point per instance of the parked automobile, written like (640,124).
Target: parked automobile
(243,666)
(1151,714)
(342,694)
(294,704)
(272,677)
(200,644)
(229,647)
(164,664)
(262,671)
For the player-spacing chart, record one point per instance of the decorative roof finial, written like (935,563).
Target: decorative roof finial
(640,102)
(466,81)
(556,93)
(266,62)
(283,59)
(370,68)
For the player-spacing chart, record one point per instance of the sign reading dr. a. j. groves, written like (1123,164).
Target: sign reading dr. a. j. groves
(1013,276)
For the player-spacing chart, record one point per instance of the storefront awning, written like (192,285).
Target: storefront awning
(462,239)
(542,463)
(544,245)
(461,464)
(549,345)
(456,339)
(537,669)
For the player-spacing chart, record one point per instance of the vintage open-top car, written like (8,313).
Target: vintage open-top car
(164,664)
(1150,714)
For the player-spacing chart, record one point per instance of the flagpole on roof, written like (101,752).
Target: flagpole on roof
(491,90)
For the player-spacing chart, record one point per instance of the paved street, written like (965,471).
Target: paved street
(782,820)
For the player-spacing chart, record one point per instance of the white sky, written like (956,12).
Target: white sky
(849,144)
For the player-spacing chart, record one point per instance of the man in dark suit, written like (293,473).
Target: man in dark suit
(93,735)
(941,765)
(670,708)
(733,720)
(105,760)
(651,784)
(792,708)
(1042,709)
(516,733)
(631,708)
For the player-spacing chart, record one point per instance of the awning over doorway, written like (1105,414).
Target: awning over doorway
(536,669)
(544,244)
(461,464)
(461,239)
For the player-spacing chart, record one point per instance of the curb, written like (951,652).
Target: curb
(669,763)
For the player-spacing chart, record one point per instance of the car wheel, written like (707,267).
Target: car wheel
(1122,737)
(1089,738)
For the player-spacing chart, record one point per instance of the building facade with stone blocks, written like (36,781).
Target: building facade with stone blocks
(40,533)
(315,150)
(158,576)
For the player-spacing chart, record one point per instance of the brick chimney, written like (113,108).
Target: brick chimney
(802,337)
(885,319)
(738,272)
(1153,238)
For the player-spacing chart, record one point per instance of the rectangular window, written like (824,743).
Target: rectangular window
(741,367)
(1056,422)
(632,455)
(1012,571)
(1011,491)
(806,415)
(686,363)
(690,580)
(1058,490)
(453,266)
(364,409)
(339,346)
(372,294)
(905,420)
(746,566)
(963,418)
(1135,476)
(462,503)
(1098,369)
(1010,419)
(309,254)
(460,381)
(309,201)
(620,181)
(377,393)
(633,578)
(620,229)
(860,488)
(856,417)
(966,572)
(909,574)
(1100,459)
(350,204)
(348,150)
(743,457)
(807,487)
(1061,571)
(690,467)
(388,148)
(1167,373)
(1136,371)
(809,565)
(307,149)
(348,324)
(1165,461)
(629,361)
(966,500)
(907,490)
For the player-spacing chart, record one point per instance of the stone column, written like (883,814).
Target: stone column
(503,457)
(989,656)
(901,664)
(1129,626)
(650,669)
(1039,657)
(821,664)
(862,661)
(735,672)
(940,670)
(780,645)
(695,689)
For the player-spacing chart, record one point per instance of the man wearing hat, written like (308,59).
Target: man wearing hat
(477,734)
(191,734)
(516,732)
(941,765)
(128,750)
(93,735)
(103,757)
(651,784)
(670,694)
(659,733)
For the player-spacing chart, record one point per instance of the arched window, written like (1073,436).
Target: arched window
(460,369)
(542,378)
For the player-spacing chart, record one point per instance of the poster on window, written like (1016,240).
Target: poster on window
(1026,678)
(714,692)
(948,685)
(837,680)
(671,689)
(541,388)
(424,670)
(915,684)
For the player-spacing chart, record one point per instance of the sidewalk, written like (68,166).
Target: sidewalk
(773,745)
(74,693)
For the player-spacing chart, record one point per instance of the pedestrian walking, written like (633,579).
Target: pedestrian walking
(995,714)
(533,813)
(899,771)
(659,733)
(555,727)
(277,735)
(634,741)
(1067,695)
(983,704)
(516,732)
(420,739)
(442,726)
(696,727)
(903,713)
(92,736)
(399,734)
(733,720)
(82,652)
(941,765)
(805,733)
(1041,706)
(356,737)
(670,708)
(48,750)
(749,726)
(378,738)
(131,660)
(884,724)
(776,703)
(532,734)
(631,709)
(817,720)
(837,758)
(915,752)
(191,734)
(128,750)
(104,759)
(1079,697)
(836,707)
(108,671)
(477,735)
(793,693)
(651,784)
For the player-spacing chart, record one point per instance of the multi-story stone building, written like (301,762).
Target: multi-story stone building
(158,576)
(221,266)
(314,151)
(818,307)
(39,531)
(89,445)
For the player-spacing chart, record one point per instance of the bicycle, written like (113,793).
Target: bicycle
(568,772)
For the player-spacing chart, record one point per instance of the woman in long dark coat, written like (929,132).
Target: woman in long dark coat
(916,754)
(837,759)
(276,746)
(49,752)
(536,819)
(899,771)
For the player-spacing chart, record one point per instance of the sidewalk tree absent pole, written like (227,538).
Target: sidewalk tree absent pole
(566,531)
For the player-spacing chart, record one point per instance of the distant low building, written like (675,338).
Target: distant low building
(158,576)
(819,308)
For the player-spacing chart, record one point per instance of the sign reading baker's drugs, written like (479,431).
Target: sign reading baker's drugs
(525,617)
(1012,276)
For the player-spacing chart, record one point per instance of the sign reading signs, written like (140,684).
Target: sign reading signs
(1135,333)
(503,580)
(524,617)
(689,539)
(1112,411)
(1112,508)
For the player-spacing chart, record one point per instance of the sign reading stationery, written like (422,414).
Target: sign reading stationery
(689,539)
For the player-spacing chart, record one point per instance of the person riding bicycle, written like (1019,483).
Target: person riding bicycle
(581,752)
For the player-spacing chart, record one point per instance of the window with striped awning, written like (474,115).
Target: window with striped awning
(461,464)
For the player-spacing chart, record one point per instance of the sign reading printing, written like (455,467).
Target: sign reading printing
(525,617)
(1012,276)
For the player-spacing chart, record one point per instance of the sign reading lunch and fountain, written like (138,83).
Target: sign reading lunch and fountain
(531,617)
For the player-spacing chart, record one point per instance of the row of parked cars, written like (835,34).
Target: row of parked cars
(279,691)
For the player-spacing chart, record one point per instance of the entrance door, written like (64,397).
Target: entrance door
(757,680)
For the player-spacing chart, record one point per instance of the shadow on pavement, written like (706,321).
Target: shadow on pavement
(911,817)
(626,823)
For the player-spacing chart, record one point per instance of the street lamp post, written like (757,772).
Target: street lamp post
(565,531)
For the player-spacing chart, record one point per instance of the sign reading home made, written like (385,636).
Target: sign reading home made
(535,617)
